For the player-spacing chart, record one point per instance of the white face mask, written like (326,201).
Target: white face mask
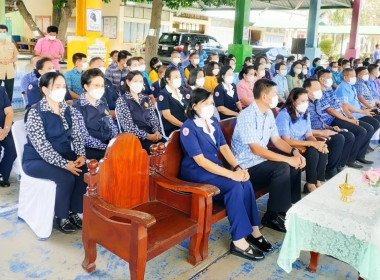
(142,67)
(229,79)
(334,69)
(304,71)
(274,102)
(177,83)
(200,82)
(261,73)
(176,60)
(52,38)
(365,77)
(308,64)
(268,65)
(301,108)
(136,68)
(207,112)
(58,95)
(297,71)
(283,72)
(360,65)
(84,66)
(96,93)
(215,71)
(52,70)
(352,81)
(196,61)
(136,87)
(328,82)
(103,69)
(196,48)
(251,78)
(317,94)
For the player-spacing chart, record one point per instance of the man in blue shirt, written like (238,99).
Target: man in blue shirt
(176,63)
(281,82)
(364,93)
(373,70)
(347,96)
(279,59)
(336,77)
(73,76)
(376,53)
(255,127)
(340,140)
(116,72)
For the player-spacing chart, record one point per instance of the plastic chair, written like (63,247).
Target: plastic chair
(37,196)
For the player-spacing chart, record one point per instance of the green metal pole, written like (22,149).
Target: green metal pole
(2,11)
(240,47)
(241,21)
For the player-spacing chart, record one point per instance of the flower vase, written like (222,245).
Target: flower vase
(374,187)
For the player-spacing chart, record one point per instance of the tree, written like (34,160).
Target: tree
(27,17)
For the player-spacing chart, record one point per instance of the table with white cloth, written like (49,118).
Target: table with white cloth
(322,223)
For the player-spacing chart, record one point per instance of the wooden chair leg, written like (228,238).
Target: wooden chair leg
(88,263)
(198,210)
(360,278)
(314,260)
(138,252)
(207,228)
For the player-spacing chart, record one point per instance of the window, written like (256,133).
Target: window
(212,43)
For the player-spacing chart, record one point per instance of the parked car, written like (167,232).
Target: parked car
(169,42)
(269,52)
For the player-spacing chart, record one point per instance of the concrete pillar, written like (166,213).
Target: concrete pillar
(2,11)
(312,51)
(352,50)
(240,47)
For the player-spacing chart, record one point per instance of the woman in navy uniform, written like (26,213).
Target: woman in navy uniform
(172,101)
(225,94)
(135,112)
(6,138)
(95,121)
(53,130)
(33,92)
(201,140)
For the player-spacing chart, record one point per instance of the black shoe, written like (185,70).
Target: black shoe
(277,223)
(75,220)
(354,165)
(64,225)
(260,243)
(363,160)
(4,184)
(250,253)
(305,189)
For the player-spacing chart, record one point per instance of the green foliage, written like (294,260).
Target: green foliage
(327,46)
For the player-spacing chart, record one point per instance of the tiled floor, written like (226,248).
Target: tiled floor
(24,257)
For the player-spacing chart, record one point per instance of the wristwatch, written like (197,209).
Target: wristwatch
(293,150)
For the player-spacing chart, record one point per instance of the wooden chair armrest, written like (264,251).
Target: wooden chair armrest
(176,184)
(143,218)
(302,149)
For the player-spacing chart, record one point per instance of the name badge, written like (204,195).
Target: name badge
(106,112)
(146,105)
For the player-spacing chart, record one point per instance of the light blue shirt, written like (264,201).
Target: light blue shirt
(347,95)
(294,130)
(252,126)
(282,85)
(73,81)
(336,77)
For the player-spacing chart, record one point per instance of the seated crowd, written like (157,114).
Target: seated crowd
(72,118)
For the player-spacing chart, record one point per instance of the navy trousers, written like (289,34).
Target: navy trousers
(9,156)
(70,188)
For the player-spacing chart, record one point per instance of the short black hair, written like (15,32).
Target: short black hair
(196,96)
(332,63)
(52,28)
(278,65)
(372,67)
(193,75)
(88,75)
(308,81)
(280,56)
(113,52)
(95,59)
(346,71)
(192,54)
(345,61)
(317,69)
(3,26)
(291,58)
(129,61)
(122,55)
(315,60)
(40,63)
(262,86)
(340,61)
(231,55)
(154,60)
(359,69)
(322,72)
(78,56)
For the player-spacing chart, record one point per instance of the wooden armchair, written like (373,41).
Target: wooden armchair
(138,214)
